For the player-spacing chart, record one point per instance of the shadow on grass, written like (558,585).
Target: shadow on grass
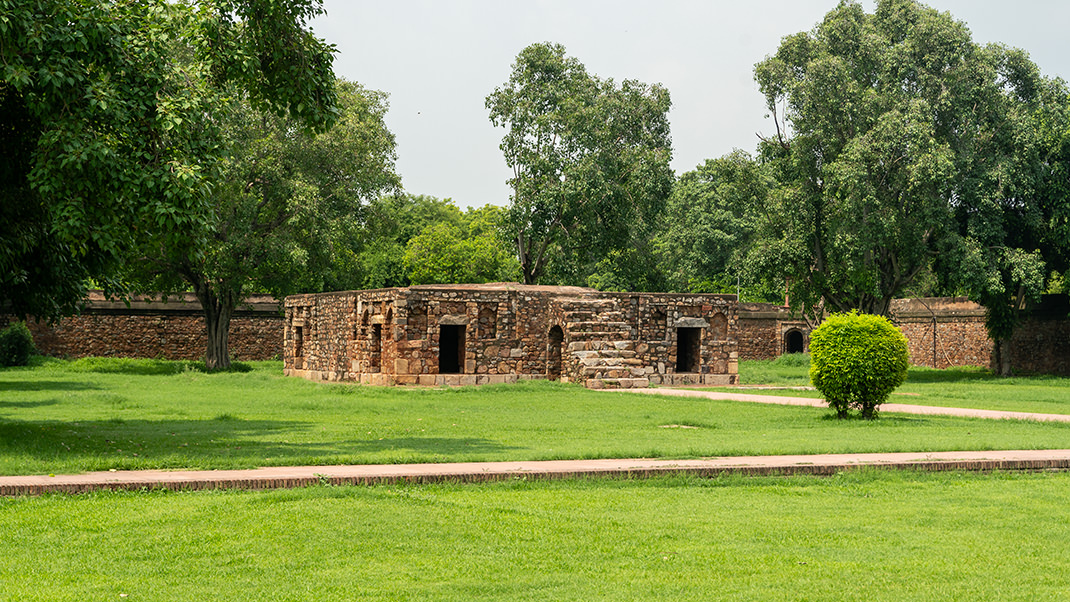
(950,375)
(221,442)
(117,437)
(27,404)
(145,367)
(46,385)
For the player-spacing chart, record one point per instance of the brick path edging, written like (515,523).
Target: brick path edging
(305,476)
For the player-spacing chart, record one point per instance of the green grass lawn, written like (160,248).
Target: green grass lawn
(858,536)
(61,417)
(965,387)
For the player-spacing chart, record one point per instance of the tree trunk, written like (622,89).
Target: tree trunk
(218,309)
(217,321)
(1003,357)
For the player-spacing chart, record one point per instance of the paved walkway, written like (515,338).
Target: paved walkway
(301,476)
(820,464)
(820,403)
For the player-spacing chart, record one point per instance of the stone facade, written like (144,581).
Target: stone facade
(943,331)
(767,331)
(504,332)
(149,328)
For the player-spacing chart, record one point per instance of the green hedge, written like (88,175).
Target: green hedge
(856,361)
(16,345)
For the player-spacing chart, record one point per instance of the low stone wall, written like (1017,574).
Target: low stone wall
(149,328)
(1041,344)
(943,331)
(764,329)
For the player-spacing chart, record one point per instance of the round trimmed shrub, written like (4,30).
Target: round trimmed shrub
(16,345)
(856,361)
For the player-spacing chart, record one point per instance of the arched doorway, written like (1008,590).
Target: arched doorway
(555,340)
(793,342)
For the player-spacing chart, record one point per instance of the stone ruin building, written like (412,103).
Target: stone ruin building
(504,332)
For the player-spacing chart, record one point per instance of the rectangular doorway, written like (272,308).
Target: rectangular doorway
(451,349)
(375,349)
(688,341)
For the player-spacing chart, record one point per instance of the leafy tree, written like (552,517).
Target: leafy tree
(708,227)
(444,253)
(902,158)
(370,251)
(590,162)
(108,125)
(635,268)
(282,195)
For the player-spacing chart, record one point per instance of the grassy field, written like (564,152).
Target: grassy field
(859,536)
(863,535)
(965,387)
(62,417)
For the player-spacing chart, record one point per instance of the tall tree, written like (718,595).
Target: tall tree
(708,227)
(895,148)
(109,125)
(1015,227)
(283,193)
(590,161)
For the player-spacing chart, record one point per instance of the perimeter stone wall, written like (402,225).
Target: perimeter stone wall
(1041,344)
(943,331)
(149,328)
(175,330)
(764,328)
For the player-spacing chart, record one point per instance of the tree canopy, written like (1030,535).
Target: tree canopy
(473,252)
(109,127)
(898,148)
(590,162)
(283,196)
(708,227)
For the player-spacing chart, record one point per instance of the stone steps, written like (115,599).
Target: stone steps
(611,371)
(617,383)
(606,331)
(602,345)
(599,344)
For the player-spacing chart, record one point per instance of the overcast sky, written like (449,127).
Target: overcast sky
(439,59)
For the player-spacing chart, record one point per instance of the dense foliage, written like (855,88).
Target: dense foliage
(444,253)
(108,127)
(708,226)
(903,150)
(283,194)
(856,361)
(590,163)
